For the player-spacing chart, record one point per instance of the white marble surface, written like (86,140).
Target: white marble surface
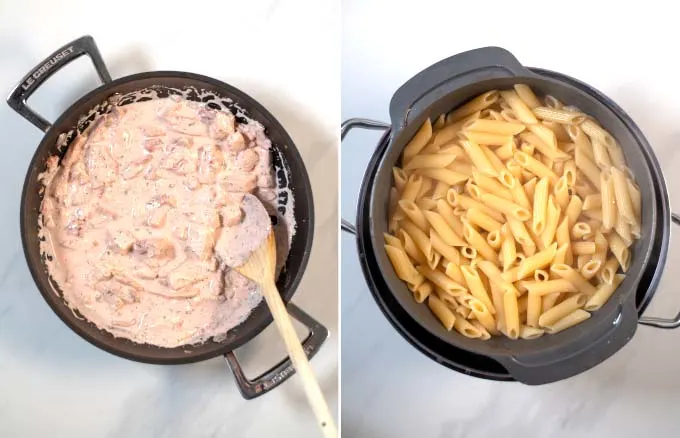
(54,384)
(389,389)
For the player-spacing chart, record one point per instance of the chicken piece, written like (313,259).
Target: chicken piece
(74,151)
(265,181)
(210,162)
(189,273)
(182,118)
(48,208)
(223,197)
(145,272)
(237,182)
(201,241)
(100,165)
(152,144)
(231,215)
(78,174)
(154,252)
(236,243)
(179,162)
(222,125)
(235,142)
(207,216)
(132,170)
(247,160)
(152,131)
(120,241)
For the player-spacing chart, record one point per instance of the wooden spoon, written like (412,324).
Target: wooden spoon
(260,268)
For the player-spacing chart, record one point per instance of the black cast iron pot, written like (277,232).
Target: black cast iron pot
(291,174)
(437,90)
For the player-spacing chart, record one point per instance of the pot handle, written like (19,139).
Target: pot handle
(447,75)
(280,372)
(551,366)
(345,127)
(655,321)
(56,61)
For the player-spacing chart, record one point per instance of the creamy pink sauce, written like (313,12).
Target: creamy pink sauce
(148,212)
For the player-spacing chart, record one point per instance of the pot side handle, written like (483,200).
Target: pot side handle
(447,75)
(345,127)
(659,322)
(56,61)
(282,371)
(593,348)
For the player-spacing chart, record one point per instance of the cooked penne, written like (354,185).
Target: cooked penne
(448,176)
(442,281)
(504,206)
(559,115)
(603,293)
(562,192)
(581,230)
(511,216)
(574,209)
(530,333)
(601,156)
(608,271)
(477,104)
(443,313)
(537,261)
(561,310)
(492,185)
(540,206)
(476,241)
(568,273)
(422,291)
(452,270)
(494,127)
(597,133)
(506,151)
(482,220)
(575,317)
(449,252)
(570,172)
(418,142)
(622,196)
(552,217)
(508,248)
(402,265)
(534,166)
(466,329)
(494,239)
(519,108)
(620,251)
(476,287)
(583,248)
(434,161)
(415,214)
(588,168)
(478,158)
(591,268)
(511,314)
(483,315)
(488,137)
(527,95)
(442,228)
(410,247)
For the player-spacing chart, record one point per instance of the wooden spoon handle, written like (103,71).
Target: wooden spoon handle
(300,361)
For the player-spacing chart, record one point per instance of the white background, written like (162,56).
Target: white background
(390,390)
(54,384)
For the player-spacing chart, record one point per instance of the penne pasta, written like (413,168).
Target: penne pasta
(425,161)
(559,115)
(561,310)
(568,273)
(519,108)
(504,206)
(443,313)
(603,293)
(575,317)
(512,216)
(418,142)
(527,95)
